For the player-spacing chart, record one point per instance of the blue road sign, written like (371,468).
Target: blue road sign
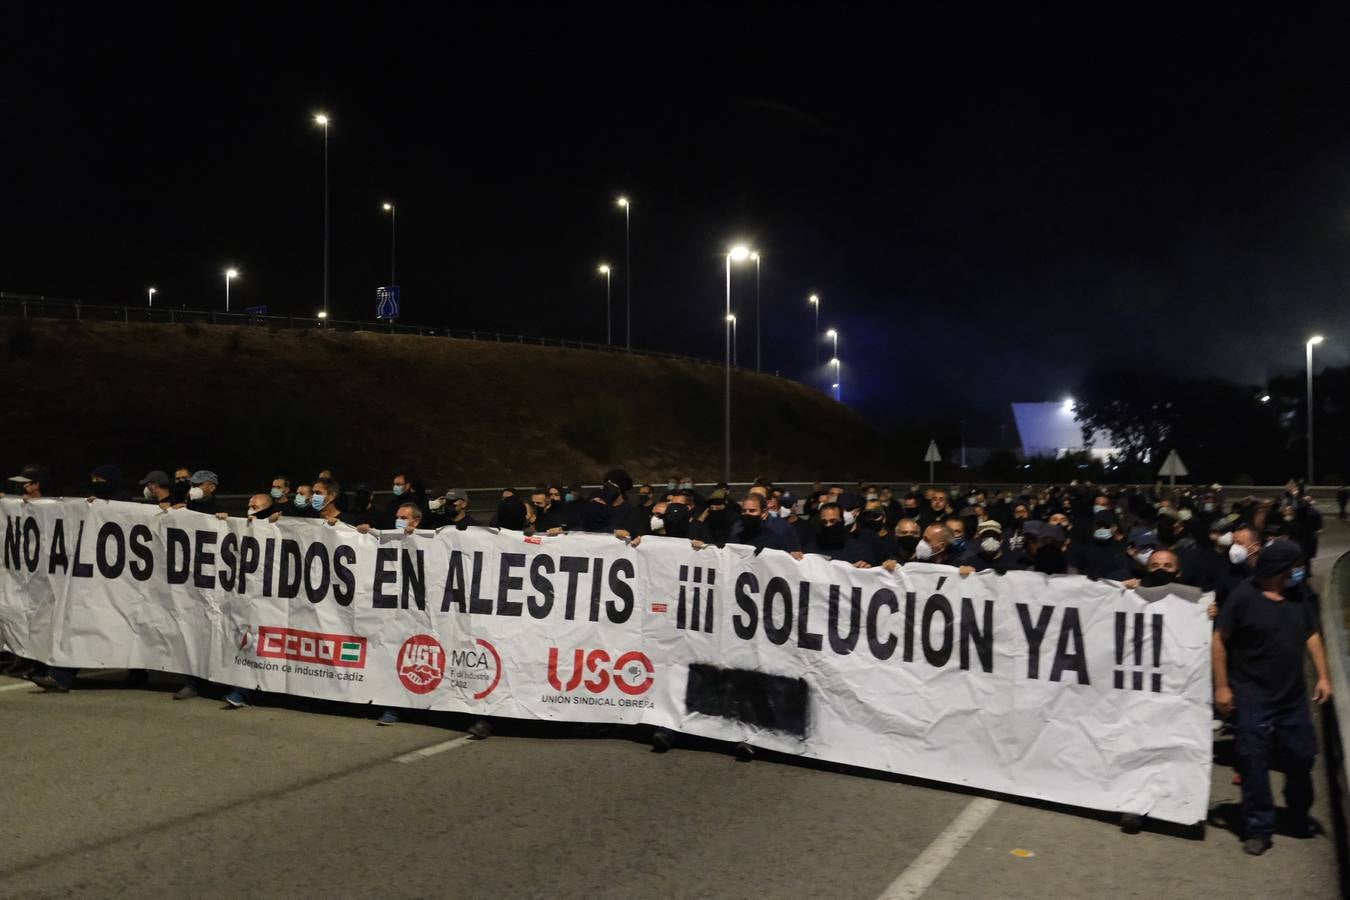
(386,302)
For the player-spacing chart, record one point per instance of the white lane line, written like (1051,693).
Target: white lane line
(415,755)
(936,856)
(20,686)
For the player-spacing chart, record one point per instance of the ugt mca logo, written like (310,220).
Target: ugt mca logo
(421,663)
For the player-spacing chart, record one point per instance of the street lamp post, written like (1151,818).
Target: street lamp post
(322,119)
(739,253)
(605,271)
(627,208)
(393,242)
(150,297)
(814,300)
(735,350)
(230,275)
(755,257)
(1312,341)
(833,335)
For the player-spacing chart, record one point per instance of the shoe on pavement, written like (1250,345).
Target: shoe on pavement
(48,683)
(235,700)
(1256,845)
(480,730)
(389,717)
(1305,828)
(661,740)
(186,692)
(744,752)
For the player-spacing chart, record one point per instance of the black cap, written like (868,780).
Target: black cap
(621,478)
(1278,557)
(848,500)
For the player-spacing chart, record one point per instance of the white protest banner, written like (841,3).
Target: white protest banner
(1061,689)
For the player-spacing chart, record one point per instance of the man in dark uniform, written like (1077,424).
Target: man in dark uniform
(1262,632)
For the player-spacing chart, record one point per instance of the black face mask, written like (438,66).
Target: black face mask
(1157,578)
(907,543)
(717,517)
(750,524)
(1050,560)
(100,489)
(873,523)
(831,537)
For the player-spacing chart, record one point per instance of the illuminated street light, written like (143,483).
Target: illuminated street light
(393,241)
(1265,398)
(738,253)
(838,376)
(322,120)
(1312,342)
(814,300)
(1067,406)
(150,295)
(323,314)
(230,275)
(605,271)
(628,269)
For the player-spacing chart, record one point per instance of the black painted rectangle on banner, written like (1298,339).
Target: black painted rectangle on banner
(754,698)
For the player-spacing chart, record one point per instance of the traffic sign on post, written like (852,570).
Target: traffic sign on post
(1172,467)
(932,456)
(386,302)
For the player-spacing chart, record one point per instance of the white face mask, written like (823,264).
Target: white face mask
(148,494)
(1225,540)
(1143,554)
(849,518)
(923,550)
(196,493)
(400,524)
(871,496)
(657,523)
(686,485)
(989,545)
(784,512)
(1237,554)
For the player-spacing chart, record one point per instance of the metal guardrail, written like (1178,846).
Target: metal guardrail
(34,306)
(1336,715)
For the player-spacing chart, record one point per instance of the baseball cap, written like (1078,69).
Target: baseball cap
(989,525)
(1142,537)
(848,500)
(1277,557)
(107,471)
(201,476)
(30,472)
(158,476)
(457,494)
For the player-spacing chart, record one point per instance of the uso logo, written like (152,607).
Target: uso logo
(421,663)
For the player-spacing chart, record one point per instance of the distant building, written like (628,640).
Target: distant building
(1052,430)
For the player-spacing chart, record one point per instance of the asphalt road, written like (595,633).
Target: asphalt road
(108,792)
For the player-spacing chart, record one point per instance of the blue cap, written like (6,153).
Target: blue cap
(201,476)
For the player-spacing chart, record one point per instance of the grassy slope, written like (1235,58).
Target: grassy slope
(245,402)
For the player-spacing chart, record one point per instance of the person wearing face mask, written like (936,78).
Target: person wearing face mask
(323,499)
(360,507)
(844,542)
(1141,545)
(406,490)
(1103,556)
(155,488)
(717,517)
(1164,567)
(957,526)
(907,536)
(299,507)
(105,483)
(1047,547)
(182,483)
(936,546)
(202,495)
(546,518)
(674,519)
(989,552)
(453,510)
(280,494)
(756,528)
(938,509)
(1260,638)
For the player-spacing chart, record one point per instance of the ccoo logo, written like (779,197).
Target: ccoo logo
(633,672)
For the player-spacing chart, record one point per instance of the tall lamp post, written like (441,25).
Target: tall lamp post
(150,297)
(605,271)
(230,275)
(833,335)
(735,350)
(1312,341)
(814,300)
(393,241)
(627,208)
(755,257)
(738,253)
(322,119)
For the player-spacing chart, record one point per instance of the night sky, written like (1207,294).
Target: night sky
(986,208)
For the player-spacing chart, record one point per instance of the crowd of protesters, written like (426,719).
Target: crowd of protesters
(1253,554)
